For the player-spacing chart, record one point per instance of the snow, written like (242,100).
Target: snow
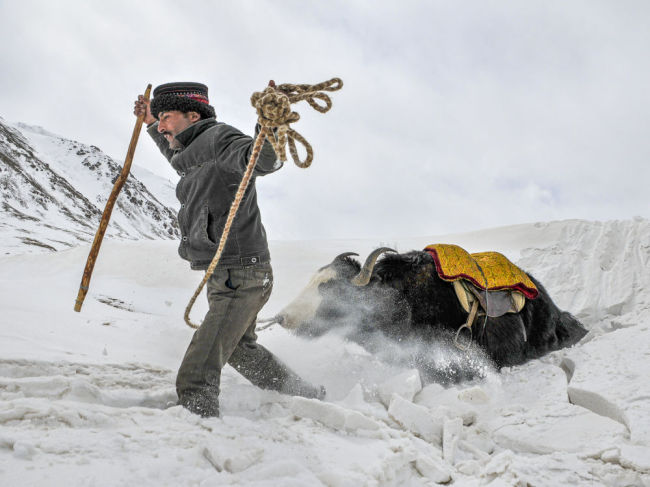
(54,191)
(87,399)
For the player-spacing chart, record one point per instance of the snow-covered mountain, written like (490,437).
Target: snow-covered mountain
(53,191)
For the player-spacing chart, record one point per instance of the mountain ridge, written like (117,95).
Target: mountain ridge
(53,191)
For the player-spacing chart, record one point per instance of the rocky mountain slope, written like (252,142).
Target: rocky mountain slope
(53,191)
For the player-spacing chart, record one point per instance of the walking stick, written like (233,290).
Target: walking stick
(106,216)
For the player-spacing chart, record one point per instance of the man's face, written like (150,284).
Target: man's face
(173,122)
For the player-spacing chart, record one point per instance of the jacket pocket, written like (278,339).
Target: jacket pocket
(207,229)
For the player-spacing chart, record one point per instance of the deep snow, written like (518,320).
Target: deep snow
(84,396)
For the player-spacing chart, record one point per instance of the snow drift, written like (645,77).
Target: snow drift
(88,399)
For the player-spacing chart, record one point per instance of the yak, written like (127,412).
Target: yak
(402,299)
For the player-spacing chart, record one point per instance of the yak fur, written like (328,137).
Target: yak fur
(406,302)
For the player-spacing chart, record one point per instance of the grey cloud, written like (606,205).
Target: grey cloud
(454,115)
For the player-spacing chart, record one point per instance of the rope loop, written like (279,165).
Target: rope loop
(273,106)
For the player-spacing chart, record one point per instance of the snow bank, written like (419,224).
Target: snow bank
(88,398)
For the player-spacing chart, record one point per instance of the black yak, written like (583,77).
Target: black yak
(402,299)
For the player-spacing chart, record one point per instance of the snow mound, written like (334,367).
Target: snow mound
(88,398)
(596,270)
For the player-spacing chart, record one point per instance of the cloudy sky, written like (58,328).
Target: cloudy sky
(454,115)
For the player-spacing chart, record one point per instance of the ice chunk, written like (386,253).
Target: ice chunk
(416,419)
(406,385)
(474,395)
(636,457)
(451,432)
(447,402)
(359,400)
(469,467)
(332,415)
(433,469)
(243,460)
(610,378)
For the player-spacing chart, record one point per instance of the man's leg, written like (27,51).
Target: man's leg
(235,297)
(266,371)
(255,362)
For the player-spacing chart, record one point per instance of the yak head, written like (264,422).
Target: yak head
(333,297)
(367,305)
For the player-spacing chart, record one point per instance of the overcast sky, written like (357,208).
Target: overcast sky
(455,115)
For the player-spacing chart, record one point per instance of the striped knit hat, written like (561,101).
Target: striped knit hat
(184,97)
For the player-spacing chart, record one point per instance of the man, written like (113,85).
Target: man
(210,158)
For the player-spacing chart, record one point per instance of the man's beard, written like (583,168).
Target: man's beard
(173,143)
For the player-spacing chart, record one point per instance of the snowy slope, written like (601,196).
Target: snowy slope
(53,191)
(84,397)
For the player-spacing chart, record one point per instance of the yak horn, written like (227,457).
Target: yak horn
(363,277)
(344,255)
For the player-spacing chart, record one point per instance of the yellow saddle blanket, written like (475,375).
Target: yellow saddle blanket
(490,271)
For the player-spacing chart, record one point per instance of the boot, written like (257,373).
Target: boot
(295,386)
(204,403)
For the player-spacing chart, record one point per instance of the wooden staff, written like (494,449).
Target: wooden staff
(106,216)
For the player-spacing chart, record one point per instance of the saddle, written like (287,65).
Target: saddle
(487,279)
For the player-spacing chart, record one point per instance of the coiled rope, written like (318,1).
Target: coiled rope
(273,107)
(274,114)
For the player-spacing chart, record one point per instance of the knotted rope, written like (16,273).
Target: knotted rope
(274,114)
(273,107)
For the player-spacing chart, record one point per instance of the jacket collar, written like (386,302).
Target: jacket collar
(187,136)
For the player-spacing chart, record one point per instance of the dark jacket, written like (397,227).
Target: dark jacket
(211,165)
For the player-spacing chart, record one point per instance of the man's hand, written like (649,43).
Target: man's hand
(141,107)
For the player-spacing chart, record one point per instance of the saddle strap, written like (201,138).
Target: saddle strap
(495,304)
(472,314)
